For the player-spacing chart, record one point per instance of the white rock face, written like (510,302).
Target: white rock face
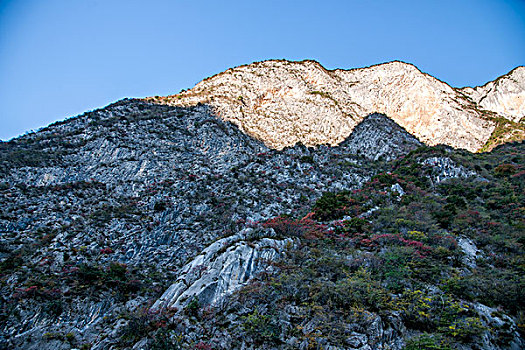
(493,319)
(445,168)
(470,250)
(222,268)
(283,103)
(504,96)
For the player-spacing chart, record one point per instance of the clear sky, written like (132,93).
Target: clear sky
(61,58)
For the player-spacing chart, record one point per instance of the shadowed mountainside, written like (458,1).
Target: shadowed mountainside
(103,209)
(270,208)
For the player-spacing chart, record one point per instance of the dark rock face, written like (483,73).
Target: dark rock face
(101,211)
(143,226)
(378,137)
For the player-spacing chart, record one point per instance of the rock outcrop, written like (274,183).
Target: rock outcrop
(504,96)
(379,137)
(144,188)
(444,168)
(283,103)
(222,268)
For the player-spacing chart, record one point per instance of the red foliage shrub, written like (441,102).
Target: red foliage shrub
(203,346)
(106,251)
(305,227)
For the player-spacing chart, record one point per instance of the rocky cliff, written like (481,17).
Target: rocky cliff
(281,102)
(101,211)
(504,96)
(159,224)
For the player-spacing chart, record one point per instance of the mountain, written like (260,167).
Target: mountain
(379,137)
(503,96)
(141,188)
(148,225)
(282,102)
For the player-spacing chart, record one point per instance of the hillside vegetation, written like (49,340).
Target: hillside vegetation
(272,207)
(420,257)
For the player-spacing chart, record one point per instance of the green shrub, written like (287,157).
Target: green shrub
(307,159)
(505,170)
(331,206)
(361,290)
(427,342)
(193,307)
(262,328)
(89,273)
(116,271)
(465,329)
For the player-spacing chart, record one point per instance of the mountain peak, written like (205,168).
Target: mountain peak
(379,137)
(504,96)
(284,102)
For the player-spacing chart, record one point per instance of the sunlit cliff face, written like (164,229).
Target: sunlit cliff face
(283,103)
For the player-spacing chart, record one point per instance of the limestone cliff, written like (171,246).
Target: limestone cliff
(283,103)
(504,96)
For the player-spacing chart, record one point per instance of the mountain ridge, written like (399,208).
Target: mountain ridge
(144,187)
(282,102)
(309,60)
(145,225)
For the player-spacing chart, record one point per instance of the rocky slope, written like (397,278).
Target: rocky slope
(504,96)
(100,212)
(426,255)
(281,102)
(147,225)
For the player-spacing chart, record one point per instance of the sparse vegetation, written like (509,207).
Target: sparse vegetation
(96,224)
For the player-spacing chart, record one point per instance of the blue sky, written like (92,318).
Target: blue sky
(61,58)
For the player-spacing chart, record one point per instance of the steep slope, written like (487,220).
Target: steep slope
(405,262)
(504,96)
(100,212)
(503,102)
(144,225)
(282,103)
(379,137)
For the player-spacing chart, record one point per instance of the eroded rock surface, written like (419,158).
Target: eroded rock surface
(130,193)
(222,268)
(504,96)
(373,139)
(445,168)
(283,103)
